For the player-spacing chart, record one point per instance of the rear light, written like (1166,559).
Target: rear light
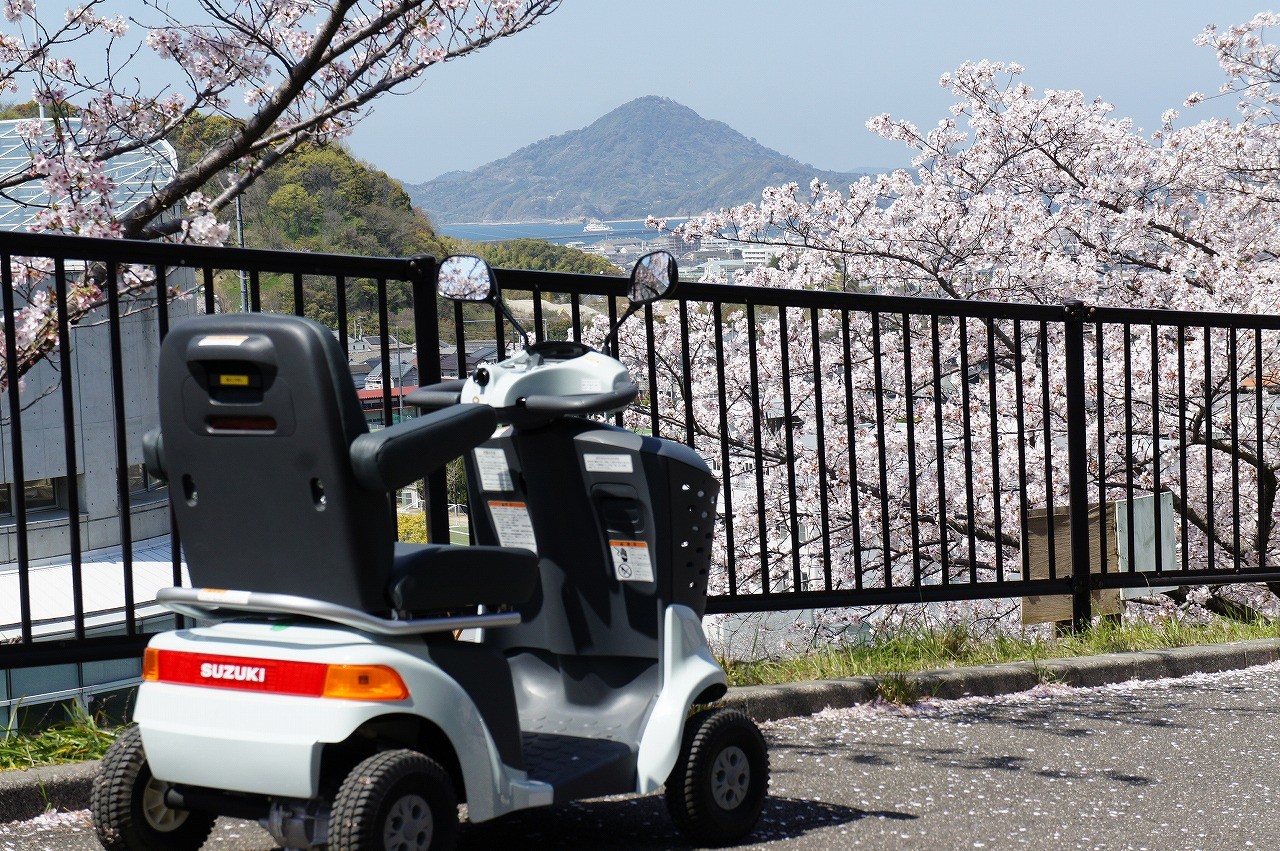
(273,676)
(364,682)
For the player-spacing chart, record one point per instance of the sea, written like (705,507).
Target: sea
(559,233)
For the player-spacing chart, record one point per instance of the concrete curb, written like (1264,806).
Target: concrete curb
(770,703)
(27,794)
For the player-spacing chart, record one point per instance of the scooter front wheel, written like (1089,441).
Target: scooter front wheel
(128,807)
(716,791)
(396,800)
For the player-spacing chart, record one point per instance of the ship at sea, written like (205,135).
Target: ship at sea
(596,227)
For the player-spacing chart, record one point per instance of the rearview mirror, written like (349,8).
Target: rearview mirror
(653,276)
(465,278)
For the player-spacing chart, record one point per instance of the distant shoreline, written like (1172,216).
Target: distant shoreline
(551,221)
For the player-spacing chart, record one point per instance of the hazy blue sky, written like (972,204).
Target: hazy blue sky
(800,77)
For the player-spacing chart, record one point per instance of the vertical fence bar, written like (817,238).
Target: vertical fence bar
(1208,443)
(122,452)
(686,376)
(391,372)
(426,331)
(67,368)
(759,450)
(851,428)
(255,292)
(1077,464)
(1101,400)
(913,496)
(967,444)
(726,476)
(1019,395)
(1261,535)
(17,465)
(1182,439)
(877,366)
(793,505)
(1233,391)
(1128,442)
(297,294)
(650,347)
(1047,438)
(820,428)
(340,305)
(995,448)
(210,297)
(940,450)
(1155,444)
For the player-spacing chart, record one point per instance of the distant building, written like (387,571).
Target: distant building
(47,483)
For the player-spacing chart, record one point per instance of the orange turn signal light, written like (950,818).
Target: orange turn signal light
(151,665)
(364,682)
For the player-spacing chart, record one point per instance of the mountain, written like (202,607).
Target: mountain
(649,156)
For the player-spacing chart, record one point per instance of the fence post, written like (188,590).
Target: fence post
(426,331)
(1077,464)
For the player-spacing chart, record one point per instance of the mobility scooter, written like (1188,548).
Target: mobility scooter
(349,691)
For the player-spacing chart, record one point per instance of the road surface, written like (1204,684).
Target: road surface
(1192,763)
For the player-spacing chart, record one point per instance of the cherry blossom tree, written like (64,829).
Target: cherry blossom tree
(260,79)
(922,442)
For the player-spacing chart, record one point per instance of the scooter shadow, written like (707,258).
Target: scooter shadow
(643,823)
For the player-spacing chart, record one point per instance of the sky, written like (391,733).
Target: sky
(799,77)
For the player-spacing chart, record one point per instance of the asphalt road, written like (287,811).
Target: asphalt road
(1169,764)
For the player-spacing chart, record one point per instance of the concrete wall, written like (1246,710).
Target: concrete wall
(44,434)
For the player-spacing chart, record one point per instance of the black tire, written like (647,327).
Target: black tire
(128,807)
(717,789)
(396,800)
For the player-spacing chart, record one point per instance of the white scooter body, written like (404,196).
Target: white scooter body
(229,735)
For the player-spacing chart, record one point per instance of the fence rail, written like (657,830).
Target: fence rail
(874,449)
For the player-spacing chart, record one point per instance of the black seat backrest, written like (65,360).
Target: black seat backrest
(257,416)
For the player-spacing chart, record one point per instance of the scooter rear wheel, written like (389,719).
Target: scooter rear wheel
(395,800)
(129,812)
(716,791)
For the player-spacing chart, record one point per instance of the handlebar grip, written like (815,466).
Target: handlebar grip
(435,396)
(584,403)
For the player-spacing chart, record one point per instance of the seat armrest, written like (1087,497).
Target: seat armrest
(153,455)
(393,457)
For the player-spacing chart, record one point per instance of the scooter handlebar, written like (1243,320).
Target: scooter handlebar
(434,396)
(583,403)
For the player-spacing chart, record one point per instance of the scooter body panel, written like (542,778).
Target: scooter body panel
(271,744)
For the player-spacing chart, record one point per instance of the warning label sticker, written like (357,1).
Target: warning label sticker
(610,463)
(511,522)
(631,562)
(495,475)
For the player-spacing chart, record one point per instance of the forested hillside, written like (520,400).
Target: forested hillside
(323,199)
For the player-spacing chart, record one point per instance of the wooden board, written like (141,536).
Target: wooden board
(1057,607)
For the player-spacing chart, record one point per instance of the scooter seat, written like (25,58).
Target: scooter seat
(440,577)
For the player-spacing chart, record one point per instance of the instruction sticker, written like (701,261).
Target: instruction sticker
(495,475)
(611,463)
(591,385)
(631,561)
(223,340)
(511,522)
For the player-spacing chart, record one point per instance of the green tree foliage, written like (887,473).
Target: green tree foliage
(538,254)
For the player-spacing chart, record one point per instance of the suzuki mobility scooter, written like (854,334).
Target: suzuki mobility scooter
(347,690)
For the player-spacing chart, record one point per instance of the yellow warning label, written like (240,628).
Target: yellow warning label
(233,380)
(631,562)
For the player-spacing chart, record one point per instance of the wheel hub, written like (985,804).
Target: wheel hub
(409,825)
(730,777)
(158,814)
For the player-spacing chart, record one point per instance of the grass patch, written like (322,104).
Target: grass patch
(77,739)
(900,652)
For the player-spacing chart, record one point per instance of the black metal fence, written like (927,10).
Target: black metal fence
(874,449)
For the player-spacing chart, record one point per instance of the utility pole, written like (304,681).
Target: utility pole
(244,282)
